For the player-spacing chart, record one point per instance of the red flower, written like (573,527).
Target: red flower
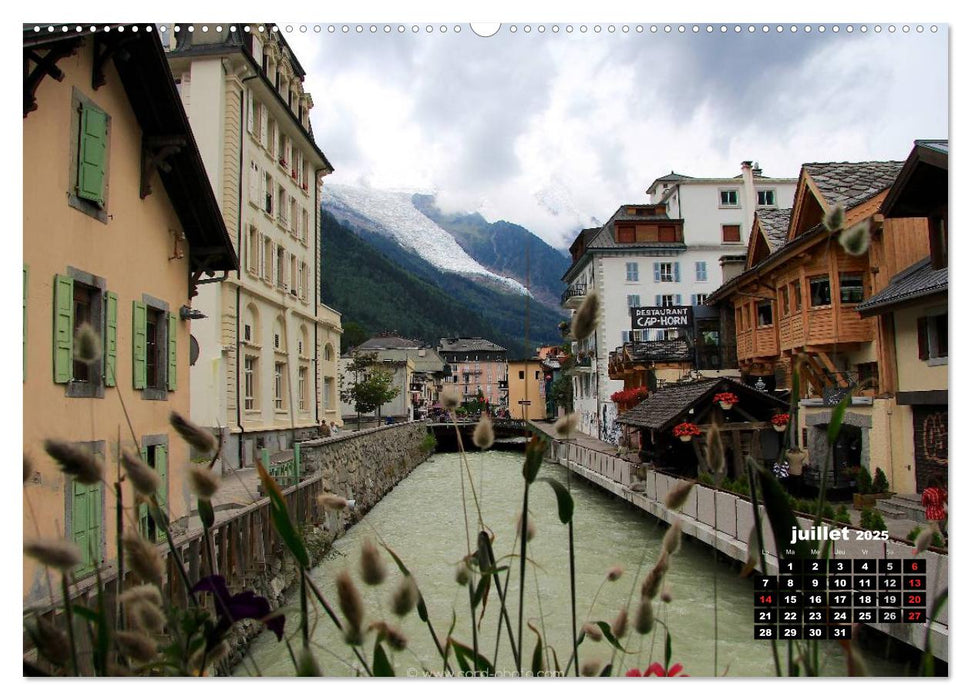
(657,669)
(686,429)
(726,397)
(780,419)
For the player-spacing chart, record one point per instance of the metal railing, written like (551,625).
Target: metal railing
(574,290)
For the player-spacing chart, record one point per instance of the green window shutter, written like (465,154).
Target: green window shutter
(63,329)
(92,152)
(24,330)
(138,343)
(173,356)
(143,507)
(162,468)
(111,338)
(86,525)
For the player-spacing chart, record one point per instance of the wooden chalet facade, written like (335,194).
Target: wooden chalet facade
(798,298)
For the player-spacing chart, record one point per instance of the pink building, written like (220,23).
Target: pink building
(476,365)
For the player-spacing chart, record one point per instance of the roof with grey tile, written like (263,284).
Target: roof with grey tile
(468,345)
(852,183)
(676,350)
(388,342)
(775,225)
(670,403)
(917,281)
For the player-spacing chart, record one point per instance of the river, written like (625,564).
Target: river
(422,520)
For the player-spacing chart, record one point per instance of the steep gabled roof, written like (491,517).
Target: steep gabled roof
(670,404)
(851,184)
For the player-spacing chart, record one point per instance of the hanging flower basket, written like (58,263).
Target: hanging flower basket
(686,431)
(726,400)
(780,422)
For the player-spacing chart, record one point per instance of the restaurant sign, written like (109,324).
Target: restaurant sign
(642,317)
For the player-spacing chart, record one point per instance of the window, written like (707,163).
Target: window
(294,221)
(731,233)
(766,198)
(819,291)
(765,313)
(302,388)
(293,275)
(851,288)
(279,384)
(90,140)
(632,273)
(701,271)
(867,376)
(84,518)
(328,397)
(256,182)
(268,249)
(80,299)
(281,268)
(784,299)
(667,272)
(666,300)
(932,337)
(253,250)
(271,143)
(281,206)
(728,198)
(250,364)
(154,355)
(154,453)
(268,194)
(625,234)
(698,299)
(522,374)
(633,300)
(797,295)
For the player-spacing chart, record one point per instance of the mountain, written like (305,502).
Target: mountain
(380,285)
(501,247)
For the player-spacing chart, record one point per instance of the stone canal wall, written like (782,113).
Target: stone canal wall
(724,521)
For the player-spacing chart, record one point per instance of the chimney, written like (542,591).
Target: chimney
(748,197)
(756,170)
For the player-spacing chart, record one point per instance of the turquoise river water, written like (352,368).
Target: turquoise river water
(422,520)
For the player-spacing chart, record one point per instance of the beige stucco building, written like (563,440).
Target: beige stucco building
(527,390)
(267,371)
(112,240)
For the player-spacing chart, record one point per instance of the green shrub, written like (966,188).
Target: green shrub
(864,483)
(880,483)
(842,515)
(936,539)
(429,442)
(828,511)
(705,479)
(871,519)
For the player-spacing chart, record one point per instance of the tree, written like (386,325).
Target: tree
(561,392)
(371,388)
(353,335)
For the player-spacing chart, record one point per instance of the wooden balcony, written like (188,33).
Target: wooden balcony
(825,325)
(757,342)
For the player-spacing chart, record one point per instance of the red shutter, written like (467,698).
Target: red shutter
(922,338)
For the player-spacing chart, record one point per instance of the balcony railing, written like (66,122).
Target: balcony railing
(573,294)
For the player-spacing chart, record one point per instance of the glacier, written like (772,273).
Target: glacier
(397,217)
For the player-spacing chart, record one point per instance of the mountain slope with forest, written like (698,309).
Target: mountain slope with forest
(377,285)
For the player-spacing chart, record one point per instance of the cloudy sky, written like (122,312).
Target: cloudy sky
(553,130)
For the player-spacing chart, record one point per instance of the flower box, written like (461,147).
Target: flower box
(726,400)
(686,431)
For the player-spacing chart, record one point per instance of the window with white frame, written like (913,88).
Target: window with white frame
(666,300)
(728,198)
(698,299)
(701,271)
(250,374)
(766,198)
(279,384)
(302,388)
(665,272)
(632,272)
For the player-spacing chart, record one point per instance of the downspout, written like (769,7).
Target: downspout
(317,263)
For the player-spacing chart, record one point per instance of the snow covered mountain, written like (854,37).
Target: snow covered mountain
(393,215)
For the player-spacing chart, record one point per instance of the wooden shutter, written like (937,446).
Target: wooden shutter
(162,468)
(657,272)
(92,152)
(657,299)
(173,355)
(63,329)
(138,343)
(677,300)
(677,272)
(922,350)
(86,524)
(143,507)
(111,339)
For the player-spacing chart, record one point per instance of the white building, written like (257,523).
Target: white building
(266,373)
(667,252)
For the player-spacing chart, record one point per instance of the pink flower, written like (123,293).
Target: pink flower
(657,669)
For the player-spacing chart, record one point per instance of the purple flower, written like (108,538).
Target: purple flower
(242,606)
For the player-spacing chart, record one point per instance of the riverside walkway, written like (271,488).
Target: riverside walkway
(724,521)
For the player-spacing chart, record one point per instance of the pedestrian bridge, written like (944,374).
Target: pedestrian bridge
(509,433)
